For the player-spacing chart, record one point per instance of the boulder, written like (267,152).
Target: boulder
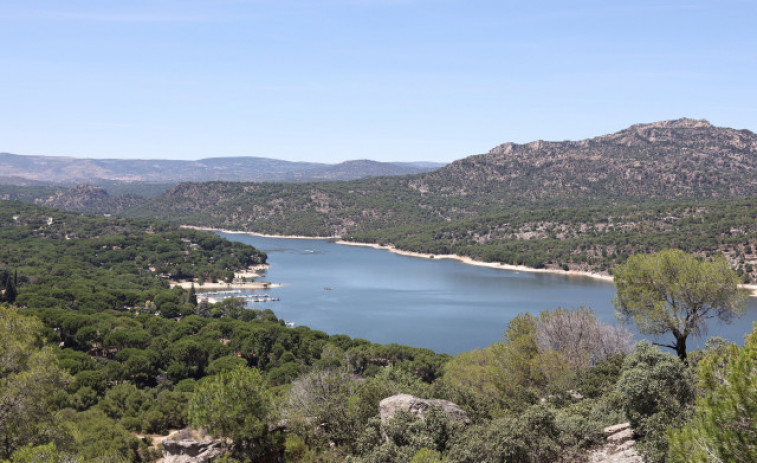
(420,407)
(610,430)
(620,437)
(620,447)
(186,447)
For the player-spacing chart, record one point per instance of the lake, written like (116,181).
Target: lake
(441,304)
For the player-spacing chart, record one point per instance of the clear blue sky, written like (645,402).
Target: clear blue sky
(331,80)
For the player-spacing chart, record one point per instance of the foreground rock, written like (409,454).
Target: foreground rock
(419,407)
(620,447)
(187,446)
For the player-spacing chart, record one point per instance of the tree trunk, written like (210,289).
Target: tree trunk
(681,347)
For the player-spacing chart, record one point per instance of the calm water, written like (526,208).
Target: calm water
(443,305)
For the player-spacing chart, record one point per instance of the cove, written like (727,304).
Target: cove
(444,305)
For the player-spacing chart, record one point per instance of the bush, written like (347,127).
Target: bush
(724,425)
(655,390)
(533,437)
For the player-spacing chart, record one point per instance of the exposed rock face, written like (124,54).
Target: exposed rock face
(620,447)
(666,159)
(185,449)
(419,407)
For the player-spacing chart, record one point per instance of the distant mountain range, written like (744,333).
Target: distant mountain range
(36,170)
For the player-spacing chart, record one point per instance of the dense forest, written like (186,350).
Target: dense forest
(99,358)
(592,238)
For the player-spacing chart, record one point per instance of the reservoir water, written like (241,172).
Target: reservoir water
(441,304)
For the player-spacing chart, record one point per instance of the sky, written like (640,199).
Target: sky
(389,80)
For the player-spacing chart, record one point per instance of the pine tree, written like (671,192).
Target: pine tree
(11,292)
(192,295)
(724,426)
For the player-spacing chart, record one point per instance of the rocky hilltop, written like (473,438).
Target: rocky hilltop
(661,160)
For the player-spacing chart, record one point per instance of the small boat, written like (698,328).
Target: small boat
(289,324)
(328,289)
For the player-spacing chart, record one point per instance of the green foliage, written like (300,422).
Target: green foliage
(558,351)
(91,264)
(497,219)
(41,454)
(96,437)
(656,390)
(724,424)
(425,455)
(134,372)
(533,437)
(8,286)
(405,436)
(225,363)
(329,396)
(234,404)
(29,379)
(674,292)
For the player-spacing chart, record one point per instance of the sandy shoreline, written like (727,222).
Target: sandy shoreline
(478,263)
(751,288)
(262,235)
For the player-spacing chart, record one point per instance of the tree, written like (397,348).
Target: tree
(579,339)
(41,454)
(326,395)
(29,378)
(233,404)
(675,292)
(724,425)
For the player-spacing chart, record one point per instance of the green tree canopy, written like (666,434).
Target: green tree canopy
(675,292)
(233,404)
(29,376)
(724,426)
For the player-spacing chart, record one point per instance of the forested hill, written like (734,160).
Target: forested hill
(72,260)
(667,160)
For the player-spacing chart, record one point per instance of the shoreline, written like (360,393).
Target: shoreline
(220,285)
(262,235)
(250,272)
(478,263)
(750,288)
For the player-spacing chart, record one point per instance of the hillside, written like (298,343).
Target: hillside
(88,198)
(680,159)
(24,170)
(663,160)
(583,205)
(126,358)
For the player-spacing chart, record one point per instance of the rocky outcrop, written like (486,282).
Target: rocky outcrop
(420,407)
(189,447)
(620,447)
